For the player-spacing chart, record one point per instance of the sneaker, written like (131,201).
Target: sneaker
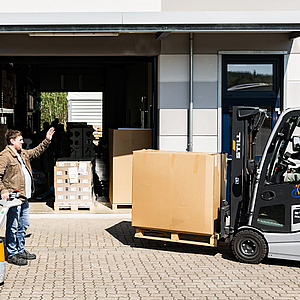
(26,255)
(17,260)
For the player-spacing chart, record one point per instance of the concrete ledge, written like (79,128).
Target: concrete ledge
(100,208)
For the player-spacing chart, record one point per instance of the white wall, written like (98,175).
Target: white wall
(20,6)
(293,76)
(19,12)
(174,102)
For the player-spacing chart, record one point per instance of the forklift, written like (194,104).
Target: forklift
(261,213)
(262,217)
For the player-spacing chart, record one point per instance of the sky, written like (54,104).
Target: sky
(266,69)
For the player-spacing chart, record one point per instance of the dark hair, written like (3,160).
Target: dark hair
(12,134)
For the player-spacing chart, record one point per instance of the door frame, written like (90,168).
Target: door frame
(220,72)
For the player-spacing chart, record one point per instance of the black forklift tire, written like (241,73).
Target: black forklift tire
(249,246)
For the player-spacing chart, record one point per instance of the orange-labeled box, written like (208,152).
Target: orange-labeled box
(178,191)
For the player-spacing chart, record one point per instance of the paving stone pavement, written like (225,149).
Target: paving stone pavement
(95,256)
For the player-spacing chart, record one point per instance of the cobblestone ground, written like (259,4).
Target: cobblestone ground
(96,257)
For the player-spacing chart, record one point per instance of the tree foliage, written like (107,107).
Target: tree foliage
(237,78)
(54,105)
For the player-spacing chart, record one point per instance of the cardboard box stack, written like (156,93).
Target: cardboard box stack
(178,191)
(121,144)
(73,183)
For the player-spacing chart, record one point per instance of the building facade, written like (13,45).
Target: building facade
(182,56)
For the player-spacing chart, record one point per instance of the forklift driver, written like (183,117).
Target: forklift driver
(293,171)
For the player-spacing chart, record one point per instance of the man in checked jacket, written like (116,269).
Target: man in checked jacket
(16,174)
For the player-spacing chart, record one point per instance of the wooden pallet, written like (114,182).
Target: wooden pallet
(168,236)
(121,206)
(74,206)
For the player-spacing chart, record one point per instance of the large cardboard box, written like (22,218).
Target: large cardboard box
(122,142)
(177,191)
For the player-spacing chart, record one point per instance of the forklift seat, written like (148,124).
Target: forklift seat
(269,222)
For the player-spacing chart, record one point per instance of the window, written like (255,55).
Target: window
(273,215)
(284,165)
(250,77)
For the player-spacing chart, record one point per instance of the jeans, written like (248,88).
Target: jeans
(17,223)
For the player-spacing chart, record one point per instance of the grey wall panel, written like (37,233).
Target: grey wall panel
(173,95)
(205,95)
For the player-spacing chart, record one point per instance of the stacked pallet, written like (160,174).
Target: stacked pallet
(73,183)
(81,140)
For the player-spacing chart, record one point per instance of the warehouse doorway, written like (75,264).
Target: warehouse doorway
(128,86)
(127,83)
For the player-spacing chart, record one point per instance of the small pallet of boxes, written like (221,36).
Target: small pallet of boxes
(73,183)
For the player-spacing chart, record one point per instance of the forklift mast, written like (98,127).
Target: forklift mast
(246,123)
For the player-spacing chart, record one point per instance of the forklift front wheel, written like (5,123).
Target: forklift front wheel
(249,246)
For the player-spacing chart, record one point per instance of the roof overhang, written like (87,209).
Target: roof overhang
(115,29)
(151,22)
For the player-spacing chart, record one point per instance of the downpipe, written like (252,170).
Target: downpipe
(191,100)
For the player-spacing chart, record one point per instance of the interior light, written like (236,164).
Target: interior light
(59,34)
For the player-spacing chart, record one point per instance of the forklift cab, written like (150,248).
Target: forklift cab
(269,223)
(278,189)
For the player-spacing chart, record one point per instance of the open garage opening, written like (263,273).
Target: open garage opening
(125,86)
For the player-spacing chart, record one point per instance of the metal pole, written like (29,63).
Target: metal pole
(191,103)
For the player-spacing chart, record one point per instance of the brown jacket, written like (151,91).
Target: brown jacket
(11,174)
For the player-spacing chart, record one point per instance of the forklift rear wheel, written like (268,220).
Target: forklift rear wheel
(249,247)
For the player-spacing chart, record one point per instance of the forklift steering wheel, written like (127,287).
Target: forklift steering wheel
(286,161)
